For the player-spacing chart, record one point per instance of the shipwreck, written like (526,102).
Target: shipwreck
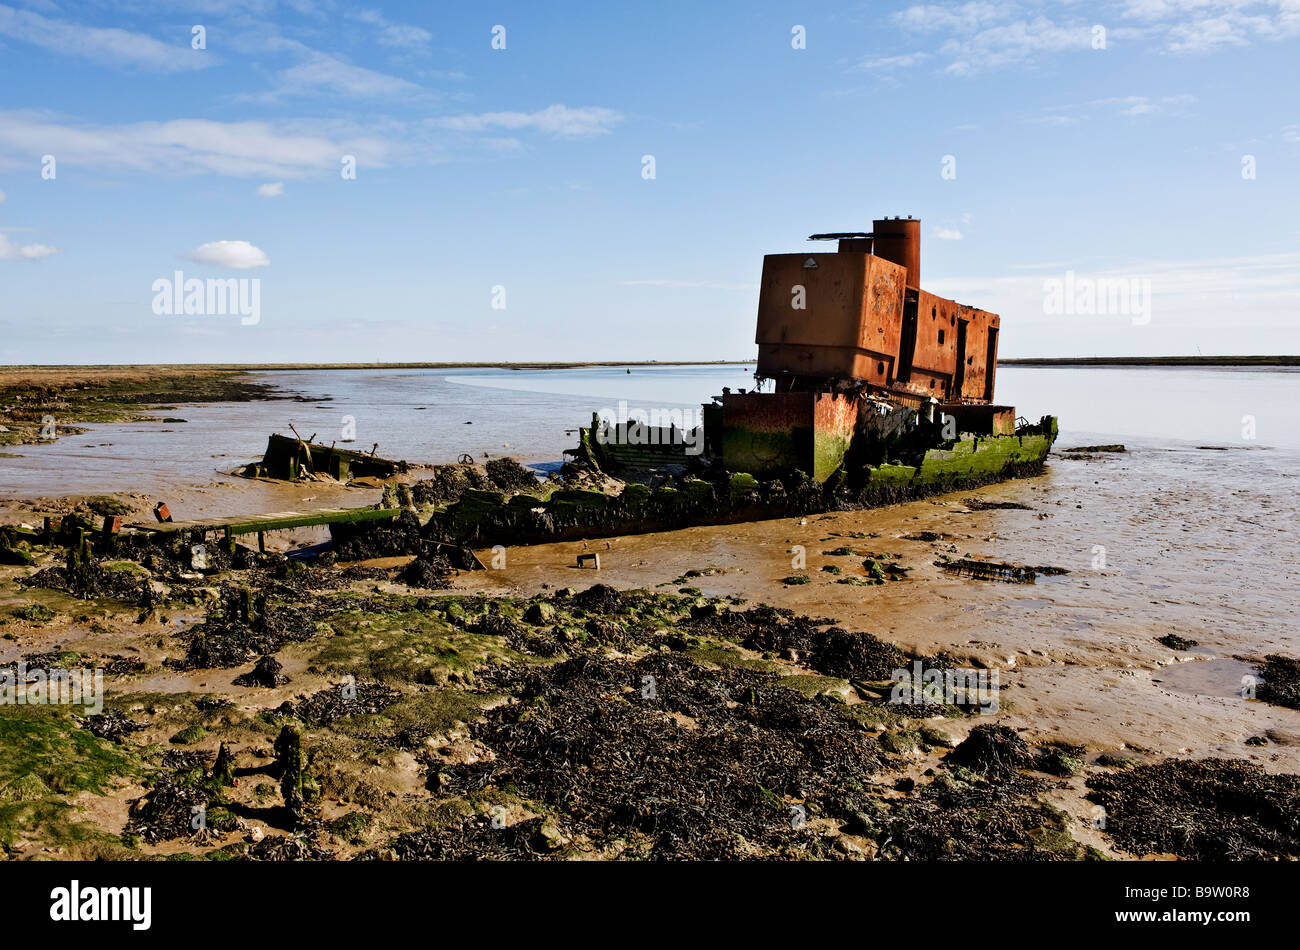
(869,391)
(872,380)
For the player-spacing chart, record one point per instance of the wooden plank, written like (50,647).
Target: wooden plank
(275,521)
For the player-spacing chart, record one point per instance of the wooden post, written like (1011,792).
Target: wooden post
(288,753)
(223,770)
(229,540)
(261,542)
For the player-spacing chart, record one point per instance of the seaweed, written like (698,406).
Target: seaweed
(1207,810)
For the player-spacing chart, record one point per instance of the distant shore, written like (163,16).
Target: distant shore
(105,371)
(1153,361)
(124,368)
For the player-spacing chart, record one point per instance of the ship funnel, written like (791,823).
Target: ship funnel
(899,240)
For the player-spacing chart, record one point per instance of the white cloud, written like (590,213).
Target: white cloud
(112,46)
(948,234)
(9,251)
(186,146)
(558,120)
(236,255)
(2,197)
(272,189)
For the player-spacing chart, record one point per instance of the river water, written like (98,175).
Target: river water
(436,415)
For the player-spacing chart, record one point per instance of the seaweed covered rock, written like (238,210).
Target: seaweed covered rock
(113,725)
(171,809)
(1281,681)
(85,576)
(268,672)
(506,474)
(993,750)
(247,624)
(604,740)
(346,699)
(1207,810)
(831,652)
(598,597)
(359,541)
(428,573)
(447,483)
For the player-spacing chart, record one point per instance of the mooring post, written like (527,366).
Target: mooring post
(261,542)
(229,540)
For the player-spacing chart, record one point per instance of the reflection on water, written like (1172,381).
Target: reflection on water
(1223,677)
(437,415)
(1159,406)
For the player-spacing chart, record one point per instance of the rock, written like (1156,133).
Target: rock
(540,614)
(940,734)
(267,672)
(993,749)
(550,836)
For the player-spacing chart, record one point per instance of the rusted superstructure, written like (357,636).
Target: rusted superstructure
(857,319)
(874,382)
(848,336)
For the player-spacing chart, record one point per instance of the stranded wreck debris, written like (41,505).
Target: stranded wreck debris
(293,458)
(875,381)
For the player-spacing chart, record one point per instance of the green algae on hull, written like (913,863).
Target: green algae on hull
(490,517)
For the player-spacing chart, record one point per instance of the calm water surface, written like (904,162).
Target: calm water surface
(436,415)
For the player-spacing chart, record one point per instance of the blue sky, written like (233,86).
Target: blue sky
(522,168)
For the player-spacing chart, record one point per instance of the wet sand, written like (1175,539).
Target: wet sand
(1198,542)
(1079,649)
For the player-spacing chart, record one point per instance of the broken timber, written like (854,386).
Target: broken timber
(288,456)
(276,521)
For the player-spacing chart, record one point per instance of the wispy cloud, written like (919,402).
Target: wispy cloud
(403,35)
(1194,292)
(184,146)
(272,189)
(681,284)
(975,36)
(323,73)
(1129,107)
(1200,26)
(557,120)
(102,45)
(885,63)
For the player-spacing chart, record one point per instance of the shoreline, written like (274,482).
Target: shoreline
(223,368)
(292,367)
(1150,361)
